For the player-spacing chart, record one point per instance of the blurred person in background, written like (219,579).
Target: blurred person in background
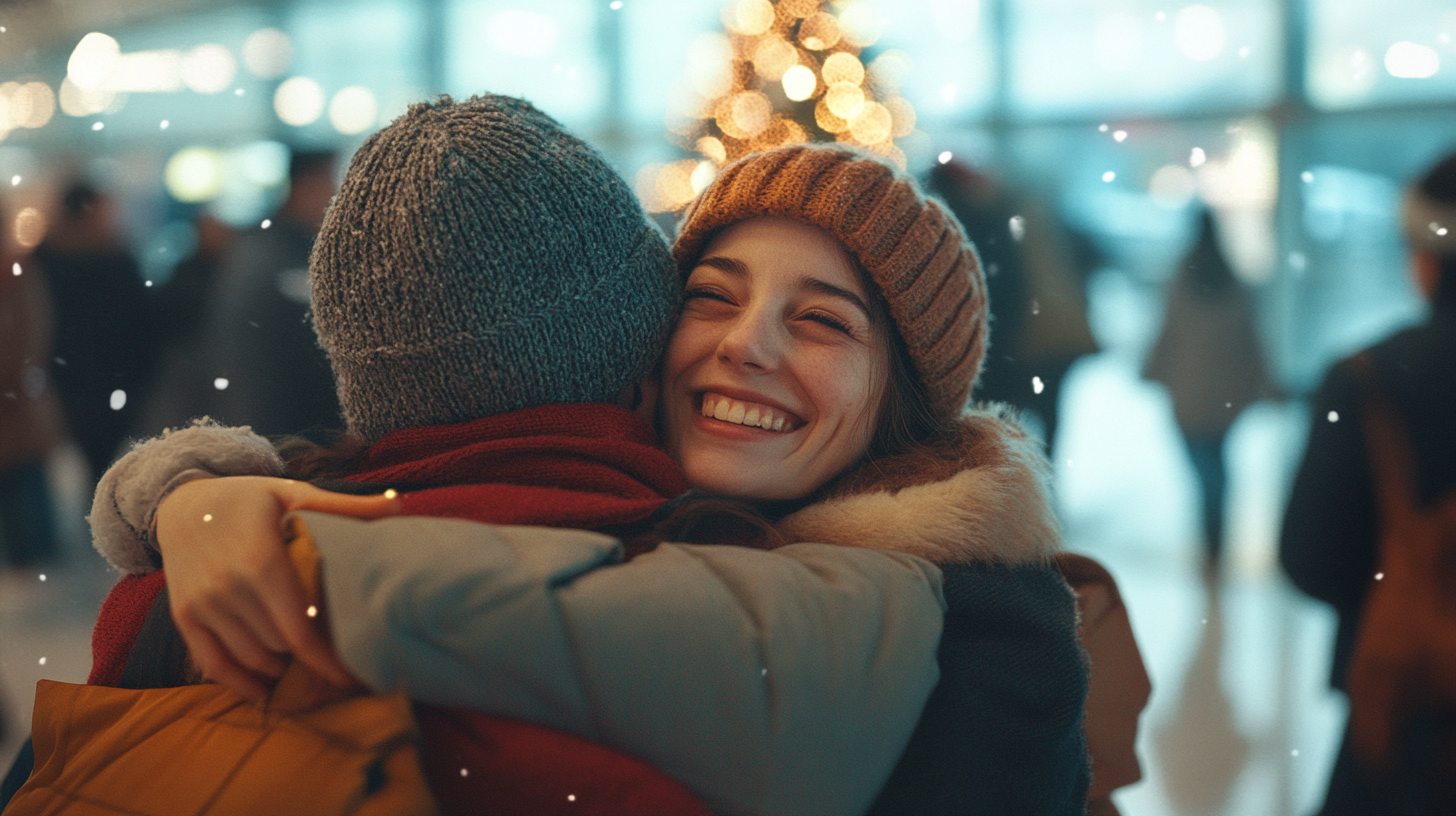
(30,416)
(1035,289)
(1332,525)
(185,385)
(30,421)
(266,368)
(1209,356)
(104,342)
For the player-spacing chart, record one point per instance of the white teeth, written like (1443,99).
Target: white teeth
(742,413)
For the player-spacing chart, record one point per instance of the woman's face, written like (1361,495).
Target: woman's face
(773,378)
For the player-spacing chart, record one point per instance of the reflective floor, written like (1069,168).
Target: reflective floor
(1241,720)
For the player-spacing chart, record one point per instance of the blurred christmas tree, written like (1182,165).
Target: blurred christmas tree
(786,71)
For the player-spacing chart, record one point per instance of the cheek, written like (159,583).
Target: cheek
(850,393)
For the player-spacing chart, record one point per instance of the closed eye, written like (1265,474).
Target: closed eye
(703,292)
(831,321)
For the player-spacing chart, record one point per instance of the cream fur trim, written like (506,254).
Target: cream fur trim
(129,491)
(995,509)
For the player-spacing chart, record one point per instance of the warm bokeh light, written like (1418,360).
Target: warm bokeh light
(92,60)
(194,174)
(30,227)
(796,9)
(799,83)
(842,67)
(748,17)
(1408,60)
(828,120)
(666,187)
(148,72)
(27,105)
(702,176)
(845,100)
(353,110)
(873,125)
(299,101)
(1199,33)
(209,68)
(712,148)
(819,31)
(78,101)
(773,57)
(268,52)
(903,115)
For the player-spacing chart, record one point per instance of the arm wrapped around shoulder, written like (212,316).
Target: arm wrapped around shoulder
(130,490)
(977,495)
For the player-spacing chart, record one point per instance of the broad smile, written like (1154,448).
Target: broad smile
(747,413)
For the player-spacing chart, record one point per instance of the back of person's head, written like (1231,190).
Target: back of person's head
(912,252)
(1430,220)
(479,259)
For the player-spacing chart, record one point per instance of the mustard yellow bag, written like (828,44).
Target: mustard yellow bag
(312,750)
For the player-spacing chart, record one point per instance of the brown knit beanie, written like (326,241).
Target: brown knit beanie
(912,248)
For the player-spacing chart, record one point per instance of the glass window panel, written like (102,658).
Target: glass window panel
(951,49)
(379,45)
(1072,58)
(1363,53)
(658,38)
(137,115)
(547,51)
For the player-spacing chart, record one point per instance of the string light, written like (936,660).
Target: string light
(781,72)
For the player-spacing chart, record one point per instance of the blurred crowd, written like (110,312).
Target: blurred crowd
(94,354)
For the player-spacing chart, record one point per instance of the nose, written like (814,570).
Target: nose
(753,343)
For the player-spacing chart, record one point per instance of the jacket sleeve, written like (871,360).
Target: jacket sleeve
(767,682)
(129,491)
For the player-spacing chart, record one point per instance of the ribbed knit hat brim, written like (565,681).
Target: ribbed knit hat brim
(479,259)
(913,250)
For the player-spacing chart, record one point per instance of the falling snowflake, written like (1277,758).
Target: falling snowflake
(118,400)
(1037,386)
(1333,416)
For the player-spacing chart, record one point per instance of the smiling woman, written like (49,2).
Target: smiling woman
(775,376)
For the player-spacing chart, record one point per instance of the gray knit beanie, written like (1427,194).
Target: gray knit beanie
(479,259)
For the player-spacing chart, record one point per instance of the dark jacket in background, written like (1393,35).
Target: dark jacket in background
(1331,531)
(103,343)
(258,337)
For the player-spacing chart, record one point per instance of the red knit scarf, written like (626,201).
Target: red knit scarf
(581,465)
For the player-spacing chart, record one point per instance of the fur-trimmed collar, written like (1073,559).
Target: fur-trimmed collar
(977,496)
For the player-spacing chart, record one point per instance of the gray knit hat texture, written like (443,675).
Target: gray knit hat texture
(479,259)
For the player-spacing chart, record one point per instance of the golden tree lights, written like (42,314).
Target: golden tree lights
(783,72)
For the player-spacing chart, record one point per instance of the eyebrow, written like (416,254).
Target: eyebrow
(738,269)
